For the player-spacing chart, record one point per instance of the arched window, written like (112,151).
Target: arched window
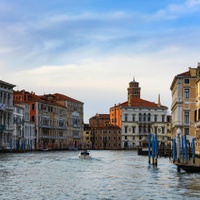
(140,129)
(149,117)
(144,117)
(149,129)
(144,127)
(140,117)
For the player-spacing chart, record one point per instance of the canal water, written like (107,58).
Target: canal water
(109,175)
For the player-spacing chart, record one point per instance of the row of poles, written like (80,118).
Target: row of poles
(180,149)
(153,151)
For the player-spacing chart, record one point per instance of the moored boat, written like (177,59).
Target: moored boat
(85,154)
(191,168)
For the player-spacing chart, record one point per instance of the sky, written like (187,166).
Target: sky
(91,49)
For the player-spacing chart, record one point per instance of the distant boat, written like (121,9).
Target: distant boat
(45,149)
(191,168)
(85,154)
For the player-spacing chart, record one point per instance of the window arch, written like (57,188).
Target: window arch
(149,117)
(140,117)
(144,117)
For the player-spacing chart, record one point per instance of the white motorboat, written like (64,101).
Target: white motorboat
(85,154)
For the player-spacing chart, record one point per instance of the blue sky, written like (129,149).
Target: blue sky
(91,49)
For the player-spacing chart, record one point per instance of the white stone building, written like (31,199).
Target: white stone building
(6,115)
(138,118)
(24,131)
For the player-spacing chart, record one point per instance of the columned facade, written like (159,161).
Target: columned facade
(6,115)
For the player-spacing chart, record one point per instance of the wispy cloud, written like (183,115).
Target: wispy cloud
(91,51)
(174,11)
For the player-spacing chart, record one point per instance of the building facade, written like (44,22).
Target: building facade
(6,115)
(58,119)
(74,116)
(24,131)
(107,138)
(197,111)
(183,90)
(103,134)
(138,118)
(87,137)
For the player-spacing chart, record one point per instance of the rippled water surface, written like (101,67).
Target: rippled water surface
(109,175)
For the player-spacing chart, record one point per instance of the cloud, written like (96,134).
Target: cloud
(91,53)
(174,11)
(101,82)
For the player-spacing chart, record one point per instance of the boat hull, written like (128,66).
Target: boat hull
(84,156)
(190,168)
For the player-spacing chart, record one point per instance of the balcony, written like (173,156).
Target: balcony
(144,134)
(9,108)
(145,122)
(45,126)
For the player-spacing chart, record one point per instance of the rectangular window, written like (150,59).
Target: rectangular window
(133,118)
(186,131)
(198,119)
(155,118)
(163,118)
(155,129)
(195,115)
(133,129)
(186,81)
(140,129)
(163,130)
(125,118)
(186,93)
(125,129)
(33,119)
(186,117)
(33,106)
